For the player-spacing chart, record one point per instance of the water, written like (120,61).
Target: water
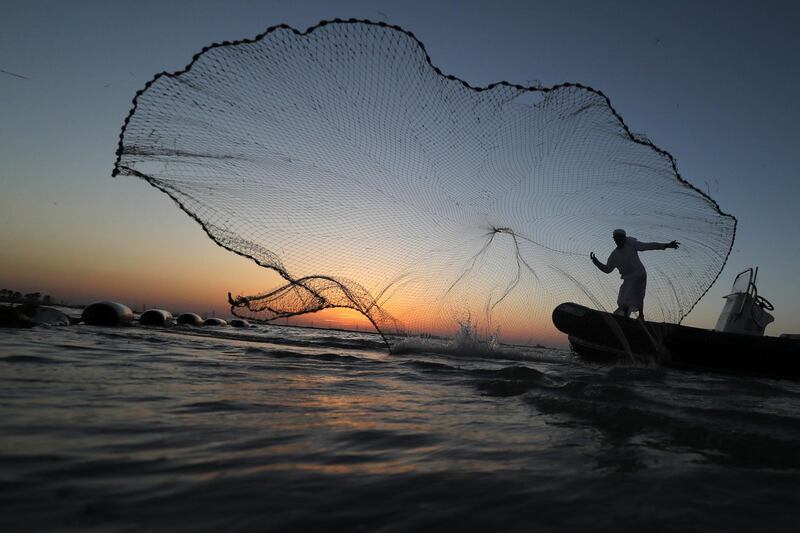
(290,429)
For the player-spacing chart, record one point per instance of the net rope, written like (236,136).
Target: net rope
(342,159)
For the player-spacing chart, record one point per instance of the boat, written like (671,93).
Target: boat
(736,344)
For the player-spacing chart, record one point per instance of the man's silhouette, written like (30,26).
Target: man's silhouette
(625,258)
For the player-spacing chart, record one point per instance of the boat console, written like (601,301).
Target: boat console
(745,311)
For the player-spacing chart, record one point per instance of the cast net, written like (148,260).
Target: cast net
(342,160)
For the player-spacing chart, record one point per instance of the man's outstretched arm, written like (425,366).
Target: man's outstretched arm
(605,268)
(642,246)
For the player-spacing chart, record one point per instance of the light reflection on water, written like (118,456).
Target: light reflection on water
(144,428)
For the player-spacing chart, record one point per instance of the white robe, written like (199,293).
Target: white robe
(631,270)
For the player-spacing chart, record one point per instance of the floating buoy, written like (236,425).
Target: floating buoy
(10,317)
(107,314)
(155,317)
(214,322)
(240,323)
(190,319)
(46,315)
(29,315)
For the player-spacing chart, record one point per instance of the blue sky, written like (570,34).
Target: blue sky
(714,83)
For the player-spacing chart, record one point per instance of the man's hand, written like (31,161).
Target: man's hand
(598,264)
(673,244)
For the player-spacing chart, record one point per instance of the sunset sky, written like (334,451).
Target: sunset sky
(714,84)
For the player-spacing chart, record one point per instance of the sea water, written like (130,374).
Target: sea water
(276,428)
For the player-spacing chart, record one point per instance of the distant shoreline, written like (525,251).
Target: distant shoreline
(29,301)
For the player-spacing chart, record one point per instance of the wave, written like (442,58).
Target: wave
(281,354)
(479,350)
(302,337)
(29,359)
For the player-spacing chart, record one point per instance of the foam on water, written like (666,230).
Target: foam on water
(471,343)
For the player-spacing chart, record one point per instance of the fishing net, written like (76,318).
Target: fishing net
(344,161)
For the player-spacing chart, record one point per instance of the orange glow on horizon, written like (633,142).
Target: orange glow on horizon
(196,276)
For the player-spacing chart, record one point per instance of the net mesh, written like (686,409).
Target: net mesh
(343,160)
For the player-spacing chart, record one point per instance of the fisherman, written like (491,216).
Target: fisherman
(625,258)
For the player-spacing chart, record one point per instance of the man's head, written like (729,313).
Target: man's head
(619,237)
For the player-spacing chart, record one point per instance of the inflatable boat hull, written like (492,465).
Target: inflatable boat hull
(605,337)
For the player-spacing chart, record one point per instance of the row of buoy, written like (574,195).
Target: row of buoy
(117,314)
(103,314)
